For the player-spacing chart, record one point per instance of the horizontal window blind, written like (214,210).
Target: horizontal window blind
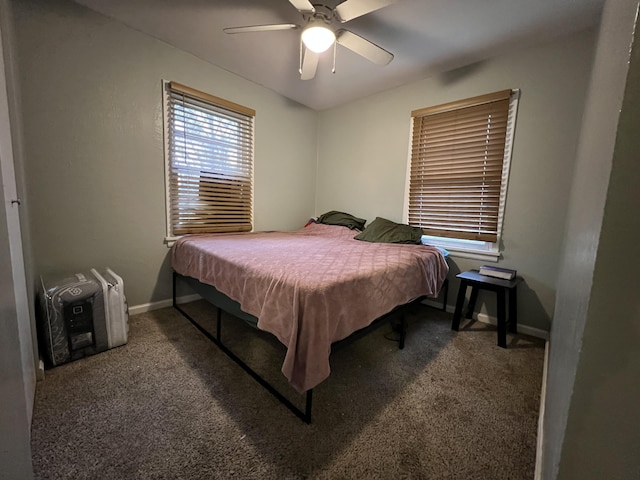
(457,158)
(210,146)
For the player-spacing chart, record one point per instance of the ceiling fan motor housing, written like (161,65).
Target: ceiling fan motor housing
(322,12)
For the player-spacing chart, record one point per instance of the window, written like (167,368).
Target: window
(458,174)
(209,164)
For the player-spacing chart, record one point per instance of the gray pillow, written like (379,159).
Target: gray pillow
(382,230)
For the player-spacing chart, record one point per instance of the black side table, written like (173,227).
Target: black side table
(476,281)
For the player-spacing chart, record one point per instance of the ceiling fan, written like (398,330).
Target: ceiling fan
(318,35)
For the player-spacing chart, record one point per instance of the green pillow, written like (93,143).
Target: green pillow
(382,230)
(341,218)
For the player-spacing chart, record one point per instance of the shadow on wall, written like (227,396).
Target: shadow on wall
(531,311)
(458,74)
(164,283)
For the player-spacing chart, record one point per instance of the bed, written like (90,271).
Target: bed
(310,288)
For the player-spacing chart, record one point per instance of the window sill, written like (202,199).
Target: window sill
(169,241)
(471,249)
(491,256)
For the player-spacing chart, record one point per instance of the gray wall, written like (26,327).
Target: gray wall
(93,144)
(591,423)
(364,148)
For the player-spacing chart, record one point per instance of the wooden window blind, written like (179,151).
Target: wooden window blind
(457,158)
(210,163)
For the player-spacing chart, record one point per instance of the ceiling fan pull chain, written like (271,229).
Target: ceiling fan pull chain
(300,67)
(335,47)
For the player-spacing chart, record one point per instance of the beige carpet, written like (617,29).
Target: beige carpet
(170,404)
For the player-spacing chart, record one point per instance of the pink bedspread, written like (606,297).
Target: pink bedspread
(311,287)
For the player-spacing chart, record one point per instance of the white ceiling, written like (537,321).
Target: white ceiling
(426,37)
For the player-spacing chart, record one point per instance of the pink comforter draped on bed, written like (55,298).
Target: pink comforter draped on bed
(311,287)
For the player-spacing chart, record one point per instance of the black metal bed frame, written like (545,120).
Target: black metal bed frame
(305,415)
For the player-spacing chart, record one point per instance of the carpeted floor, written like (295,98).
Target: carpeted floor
(170,404)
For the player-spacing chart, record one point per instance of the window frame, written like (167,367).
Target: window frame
(473,249)
(170,238)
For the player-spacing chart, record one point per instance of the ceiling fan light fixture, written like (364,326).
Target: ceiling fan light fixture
(317,37)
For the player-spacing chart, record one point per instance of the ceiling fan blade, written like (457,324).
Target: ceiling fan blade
(363,47)
(309,64)
(304,6)
(356,8)
(261,28)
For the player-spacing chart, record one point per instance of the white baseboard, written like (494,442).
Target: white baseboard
(40,370)
(147,307)
(526,329)
(543,395)
(484,318)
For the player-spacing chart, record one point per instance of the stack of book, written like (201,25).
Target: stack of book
(497,272)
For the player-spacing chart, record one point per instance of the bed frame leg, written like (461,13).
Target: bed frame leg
(403,329)
(307,408)
(174,289)
(219,324)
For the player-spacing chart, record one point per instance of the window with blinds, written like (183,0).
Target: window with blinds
(459,152)
(209,163)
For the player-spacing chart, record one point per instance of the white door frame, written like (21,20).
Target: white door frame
(17,368)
